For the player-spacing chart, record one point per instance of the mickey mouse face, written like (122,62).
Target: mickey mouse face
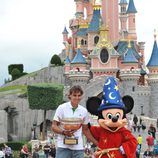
(112,114)
(112,119)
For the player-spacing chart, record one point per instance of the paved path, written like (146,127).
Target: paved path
(144,134)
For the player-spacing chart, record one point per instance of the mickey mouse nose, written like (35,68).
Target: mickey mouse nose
(114,119)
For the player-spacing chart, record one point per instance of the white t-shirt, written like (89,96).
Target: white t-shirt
(65,111)
(2,153)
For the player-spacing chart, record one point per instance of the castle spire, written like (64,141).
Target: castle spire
(153,61)
(131,7)
(155,35)
(131,11)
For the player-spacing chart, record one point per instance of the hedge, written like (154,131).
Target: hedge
(45,96)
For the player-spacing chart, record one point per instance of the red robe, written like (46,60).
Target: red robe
(122,137)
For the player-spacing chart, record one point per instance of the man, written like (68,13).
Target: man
(140,140)
(72,109)
(46,149)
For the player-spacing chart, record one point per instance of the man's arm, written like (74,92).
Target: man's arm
(88,134)
(55,127)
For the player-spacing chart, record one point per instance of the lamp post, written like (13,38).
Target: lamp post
(34,131)
(142,113)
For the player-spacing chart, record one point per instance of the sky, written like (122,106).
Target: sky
(31,30)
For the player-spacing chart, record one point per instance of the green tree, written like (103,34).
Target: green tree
(46,97)
(15,74)
(20,67)
(55,60)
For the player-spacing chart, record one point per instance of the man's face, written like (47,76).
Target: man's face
(75,98)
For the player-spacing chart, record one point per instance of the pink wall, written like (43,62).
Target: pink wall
(110,16)
(132,26)
(79,6)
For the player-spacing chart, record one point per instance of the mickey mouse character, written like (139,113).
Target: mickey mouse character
(114,139)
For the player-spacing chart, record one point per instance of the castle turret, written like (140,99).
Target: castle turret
(67,65)
(123,18)
(131,11)
(93,29)
(153,78)
(65,34)
(130,59)
(79,73)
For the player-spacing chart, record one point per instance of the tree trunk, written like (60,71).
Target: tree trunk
(44,126)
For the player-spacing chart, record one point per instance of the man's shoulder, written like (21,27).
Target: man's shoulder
(64,105)
(82,108)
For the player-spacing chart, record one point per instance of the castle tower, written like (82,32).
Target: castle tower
(67,65)
(131,73)
(104,57)
(93,29)
(153,78)
(89,9)
(82,37)
(65,34)
(110,17)
(131,11)
(123,19)
(79,73)
(79,8)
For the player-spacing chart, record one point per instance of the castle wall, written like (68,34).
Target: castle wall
(18,125)
(154,99)
(3,126)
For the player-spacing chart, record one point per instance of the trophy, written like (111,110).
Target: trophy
(71,124)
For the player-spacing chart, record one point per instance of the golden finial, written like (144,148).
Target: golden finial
(97,4)
(129,43)
(155,35)
(78,44)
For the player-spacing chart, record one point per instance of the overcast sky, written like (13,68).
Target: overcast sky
(31,30)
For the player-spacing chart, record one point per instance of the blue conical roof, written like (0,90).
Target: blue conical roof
(67,60)
(78,59)
(131,7)
(142,71)
(130,57)
(65,30)
(95,22)
(82,32)
(154,56)
(123,46)
(123,2)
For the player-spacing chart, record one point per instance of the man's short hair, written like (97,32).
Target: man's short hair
(75,89)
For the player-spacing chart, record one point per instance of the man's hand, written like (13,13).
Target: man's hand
(69,133)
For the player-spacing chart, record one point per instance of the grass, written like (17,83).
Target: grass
(13,89)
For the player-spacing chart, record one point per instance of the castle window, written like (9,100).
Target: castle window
(133,89)
(104,55)
(82,42)
(78,69)
(85,42)
(96,39)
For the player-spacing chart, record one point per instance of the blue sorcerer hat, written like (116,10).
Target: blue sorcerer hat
(111,96)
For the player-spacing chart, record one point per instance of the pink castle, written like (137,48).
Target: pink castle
(103,42)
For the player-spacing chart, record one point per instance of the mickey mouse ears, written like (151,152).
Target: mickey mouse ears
(111,99)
